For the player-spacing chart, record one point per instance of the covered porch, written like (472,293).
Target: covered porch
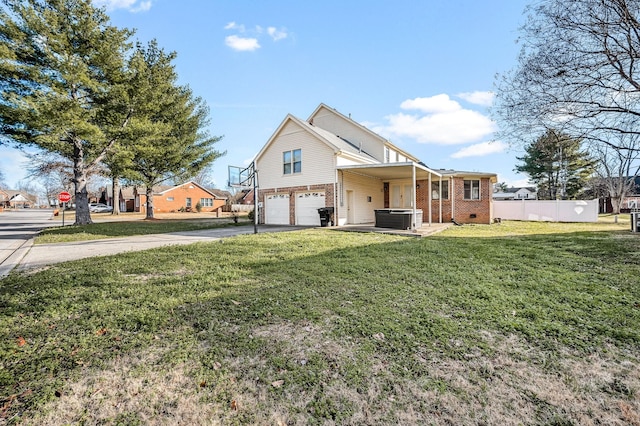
(364,192)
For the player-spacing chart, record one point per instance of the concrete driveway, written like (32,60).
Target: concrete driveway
(20,253)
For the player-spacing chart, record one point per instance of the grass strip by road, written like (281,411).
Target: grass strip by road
(515,323)
(100,230)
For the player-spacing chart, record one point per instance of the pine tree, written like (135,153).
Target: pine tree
(63,83)
(167,136)
(555,163)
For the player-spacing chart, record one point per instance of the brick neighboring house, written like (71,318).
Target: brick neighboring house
(329,160)
(186,196)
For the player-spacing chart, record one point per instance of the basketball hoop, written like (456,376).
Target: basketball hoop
(246,178)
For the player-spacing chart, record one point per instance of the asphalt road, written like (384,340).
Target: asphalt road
(17,228)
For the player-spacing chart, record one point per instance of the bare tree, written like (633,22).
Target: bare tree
(578,73)
(618,169)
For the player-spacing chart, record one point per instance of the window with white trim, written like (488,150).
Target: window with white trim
(435,190)
(472,189)
(206,202)
(292,161)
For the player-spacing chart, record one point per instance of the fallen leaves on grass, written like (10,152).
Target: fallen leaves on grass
(277,383)
(21,341)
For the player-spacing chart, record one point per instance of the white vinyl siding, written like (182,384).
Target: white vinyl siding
(318,160)
(363,188)
(356,135)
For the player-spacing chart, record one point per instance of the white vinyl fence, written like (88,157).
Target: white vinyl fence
(550,211)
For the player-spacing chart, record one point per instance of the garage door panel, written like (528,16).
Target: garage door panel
(277,209)
(307,205)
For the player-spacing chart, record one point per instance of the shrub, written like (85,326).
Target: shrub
(251,216)
(198,207)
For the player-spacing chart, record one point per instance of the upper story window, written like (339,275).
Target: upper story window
(472,189)
(292,161)
(387,154)
(435,190)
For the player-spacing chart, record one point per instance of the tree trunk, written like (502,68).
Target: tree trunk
(149,203)
(83,215)
(116,196)
(616,204)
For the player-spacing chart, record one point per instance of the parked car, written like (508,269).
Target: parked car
(100,208)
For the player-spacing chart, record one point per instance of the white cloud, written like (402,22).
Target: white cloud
(435,104)
(478,98)
(480,149)
(277,34)
(242,44)
(441,121)
(253,36)
(233,26)
(130,5)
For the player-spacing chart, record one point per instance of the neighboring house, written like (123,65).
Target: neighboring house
(244,196)
(330,160)
(179,197)
(525,193)
(629,203)
(16,199)
(126,196)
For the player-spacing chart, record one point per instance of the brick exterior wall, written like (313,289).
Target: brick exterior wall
(481,208)
(180,195)
(464,209)
(292,190)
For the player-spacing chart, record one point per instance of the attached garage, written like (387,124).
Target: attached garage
(307,205)
(276,209)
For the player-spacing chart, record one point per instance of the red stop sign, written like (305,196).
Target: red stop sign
(64,197)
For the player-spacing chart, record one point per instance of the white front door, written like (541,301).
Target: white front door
(276,209)
(307,205)
(350,208)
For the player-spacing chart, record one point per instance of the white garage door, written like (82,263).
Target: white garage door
(276,209)
(307,205)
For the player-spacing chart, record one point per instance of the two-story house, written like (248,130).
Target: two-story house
(329,160)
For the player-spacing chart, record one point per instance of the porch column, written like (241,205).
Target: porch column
(440,200)
(429,198)
(413,203)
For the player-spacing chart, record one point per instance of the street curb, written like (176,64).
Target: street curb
(11,262)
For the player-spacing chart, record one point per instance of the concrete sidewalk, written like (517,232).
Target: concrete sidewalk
(30,256)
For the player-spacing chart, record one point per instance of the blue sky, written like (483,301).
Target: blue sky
(419,72)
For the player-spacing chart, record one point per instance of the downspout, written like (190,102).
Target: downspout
(413,201)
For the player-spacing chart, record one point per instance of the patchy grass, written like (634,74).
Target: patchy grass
(100,230)
(504,324)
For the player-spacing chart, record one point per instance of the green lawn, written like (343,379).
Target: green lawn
(517,323)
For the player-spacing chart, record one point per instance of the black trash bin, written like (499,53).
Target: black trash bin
(325,215)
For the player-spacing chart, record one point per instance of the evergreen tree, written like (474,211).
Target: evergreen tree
(555,163)
(167,136)
(63,83)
